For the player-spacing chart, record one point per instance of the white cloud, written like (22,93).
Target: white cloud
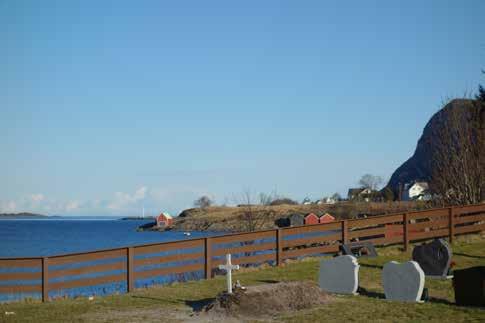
(154,200)
(37,197)
(125,200)
(73,205)
(8,207)
(38,203)
(140,193)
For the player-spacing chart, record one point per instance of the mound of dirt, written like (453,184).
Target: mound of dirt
(267,299)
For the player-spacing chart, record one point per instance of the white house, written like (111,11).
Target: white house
(416,191)
(328,200)
(359,194)
(306,201)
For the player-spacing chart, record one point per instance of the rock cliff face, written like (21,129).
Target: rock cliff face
(420,165)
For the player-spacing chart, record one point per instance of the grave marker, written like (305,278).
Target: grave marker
(434,258)
(339,275)
(469,285)
(403,282)
(359,249)
(229,267)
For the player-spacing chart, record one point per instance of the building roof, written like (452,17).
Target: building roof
(353,191)
(310,214)
(422,184)
(356,191)
(166,215)
(327,215)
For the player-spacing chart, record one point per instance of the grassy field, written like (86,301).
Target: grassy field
(177,302)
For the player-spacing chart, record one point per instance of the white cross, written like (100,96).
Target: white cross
(229,267)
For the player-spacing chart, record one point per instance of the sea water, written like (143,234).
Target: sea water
(55,236)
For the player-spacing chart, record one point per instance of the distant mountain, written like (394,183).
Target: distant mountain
(138,218)
(23,215)
(420,166)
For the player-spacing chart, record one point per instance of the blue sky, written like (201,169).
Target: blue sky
(106,106)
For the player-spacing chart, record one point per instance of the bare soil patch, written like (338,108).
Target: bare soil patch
(266,300)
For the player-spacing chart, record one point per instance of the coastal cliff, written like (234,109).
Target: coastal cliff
(419,167)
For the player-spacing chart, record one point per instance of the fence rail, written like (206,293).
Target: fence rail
(126,268)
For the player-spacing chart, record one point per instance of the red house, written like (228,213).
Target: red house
(164,220)
(326,218)
(311,218)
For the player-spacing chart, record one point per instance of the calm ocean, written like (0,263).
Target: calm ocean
(47,237)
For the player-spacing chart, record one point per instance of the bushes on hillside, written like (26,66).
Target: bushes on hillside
(283,201)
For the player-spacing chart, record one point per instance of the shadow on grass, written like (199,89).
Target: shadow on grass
(268,281)
(364,292)
(467,255)
(440,301)
(371,266)
(198,305)
(158,299)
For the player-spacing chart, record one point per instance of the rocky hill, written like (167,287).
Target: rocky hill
(420,165)
(23,215)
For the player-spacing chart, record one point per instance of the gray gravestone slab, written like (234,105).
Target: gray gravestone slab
(403,282)
(434,258)
(339,275)
(359,249)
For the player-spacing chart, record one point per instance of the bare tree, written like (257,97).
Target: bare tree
(265,199)
(370,181)
(458,157)
(253,216)
(203,202)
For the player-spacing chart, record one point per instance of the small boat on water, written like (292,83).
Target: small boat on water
(187,234)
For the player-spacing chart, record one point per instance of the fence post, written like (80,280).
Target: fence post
(345,232)
(45,279)
(406,231)
(279,247)
(208,258)
(451,223)
(130,273)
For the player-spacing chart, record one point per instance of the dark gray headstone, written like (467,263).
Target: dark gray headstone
(434,257)
(469,285)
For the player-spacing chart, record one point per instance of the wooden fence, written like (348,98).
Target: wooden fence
(131,266)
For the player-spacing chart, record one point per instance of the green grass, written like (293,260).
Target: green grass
(174,302)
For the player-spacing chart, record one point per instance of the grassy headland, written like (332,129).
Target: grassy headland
(223,218)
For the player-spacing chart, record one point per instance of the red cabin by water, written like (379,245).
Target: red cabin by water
(311,218)
(327,218)
(164,220)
